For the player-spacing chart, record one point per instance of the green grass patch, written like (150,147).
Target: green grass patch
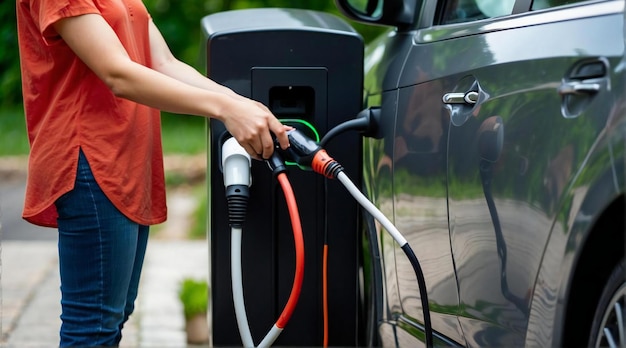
(200,215)
(182,134)
(13,138)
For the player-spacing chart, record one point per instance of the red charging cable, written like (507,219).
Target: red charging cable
(296,225)
(299,246)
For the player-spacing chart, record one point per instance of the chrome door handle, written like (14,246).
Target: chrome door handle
(461,98)
(578,87)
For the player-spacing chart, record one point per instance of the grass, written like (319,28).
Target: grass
(181,134)
(13,139)
(199,227)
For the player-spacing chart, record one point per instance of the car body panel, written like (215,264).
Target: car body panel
(421,211)
(495,228)
(384,60)
(542,150)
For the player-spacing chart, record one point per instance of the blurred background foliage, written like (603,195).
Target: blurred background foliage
(9,56)
(179,21)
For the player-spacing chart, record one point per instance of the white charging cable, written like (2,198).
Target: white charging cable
(236,165)
(371,208)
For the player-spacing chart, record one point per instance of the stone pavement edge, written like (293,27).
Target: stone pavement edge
(31,297)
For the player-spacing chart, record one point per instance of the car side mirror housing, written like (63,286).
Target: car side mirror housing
(394,13)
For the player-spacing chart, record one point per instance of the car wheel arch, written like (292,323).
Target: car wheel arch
(553,320)
(586,223)
(602,249)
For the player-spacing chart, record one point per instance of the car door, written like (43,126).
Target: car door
(407,180)
(513,108)
(521,90)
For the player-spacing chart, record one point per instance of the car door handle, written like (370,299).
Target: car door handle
(578,87)
(470,97)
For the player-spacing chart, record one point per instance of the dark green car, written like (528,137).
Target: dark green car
(502,163)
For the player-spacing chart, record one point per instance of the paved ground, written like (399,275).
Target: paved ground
(29,278)
(30,294)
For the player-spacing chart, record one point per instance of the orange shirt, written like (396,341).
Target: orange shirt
(68,108)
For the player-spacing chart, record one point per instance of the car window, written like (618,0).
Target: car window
(457,11)
(543,4)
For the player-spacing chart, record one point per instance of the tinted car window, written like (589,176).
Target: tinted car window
(543,4)
(457,11)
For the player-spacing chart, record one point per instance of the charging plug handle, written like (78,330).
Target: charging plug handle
(236,165)
(309,154)
(301,148)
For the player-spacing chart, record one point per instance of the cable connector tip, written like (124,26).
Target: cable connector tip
(325,165)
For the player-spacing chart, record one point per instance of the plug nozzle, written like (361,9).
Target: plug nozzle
(301,148)
(236,165)
(309,154)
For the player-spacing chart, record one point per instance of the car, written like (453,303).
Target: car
(501,161)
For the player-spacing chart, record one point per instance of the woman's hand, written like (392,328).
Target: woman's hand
(251,122)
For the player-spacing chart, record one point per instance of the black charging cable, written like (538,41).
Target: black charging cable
(366,122)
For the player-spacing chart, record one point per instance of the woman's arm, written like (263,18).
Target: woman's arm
(165,62)
(97,45)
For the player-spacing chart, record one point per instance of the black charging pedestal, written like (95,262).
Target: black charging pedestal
(307,67)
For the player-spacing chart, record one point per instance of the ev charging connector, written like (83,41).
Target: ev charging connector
(310,155)
(236,165)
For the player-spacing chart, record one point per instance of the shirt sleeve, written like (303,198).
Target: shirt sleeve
(48,12)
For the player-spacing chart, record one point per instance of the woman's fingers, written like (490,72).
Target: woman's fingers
(257,129)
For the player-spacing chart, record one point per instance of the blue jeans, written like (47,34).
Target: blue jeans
(101,254)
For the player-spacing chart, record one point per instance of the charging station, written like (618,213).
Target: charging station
(307,67)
